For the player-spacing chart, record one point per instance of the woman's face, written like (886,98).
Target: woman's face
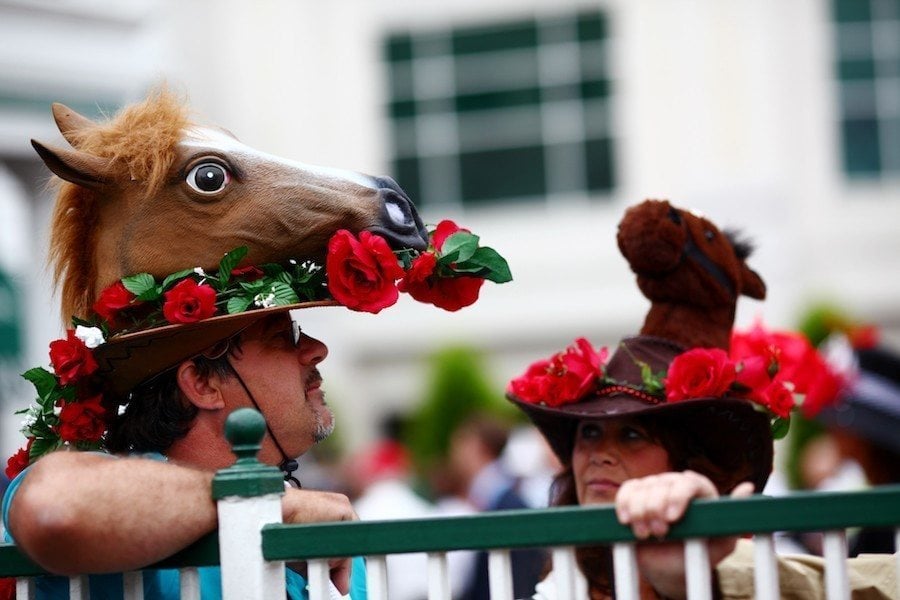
(610,451)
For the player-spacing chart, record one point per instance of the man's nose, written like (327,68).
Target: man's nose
(310,350)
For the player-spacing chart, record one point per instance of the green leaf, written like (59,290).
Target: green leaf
(42,446)
(229,262)
(780,427)
(44,381)
(139,284)
(489,264)
(284,294)
(459,247)
(174,277)
(255,287)
(238,304)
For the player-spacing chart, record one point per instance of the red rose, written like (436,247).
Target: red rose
(567,377)
(822,390)
(189,302)
(699,373)
(753,375)
(361,272)
(417,282)
(250,273)
(778,398)
(533,384)
(112,300)
(449,293)
(444,229)
(71,359)
(18,461)
(82,420)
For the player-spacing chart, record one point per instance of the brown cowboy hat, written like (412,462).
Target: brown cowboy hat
(727,431)
(127,360)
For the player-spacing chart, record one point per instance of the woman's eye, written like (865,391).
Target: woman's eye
(590,432)
(208,178)
(632,433)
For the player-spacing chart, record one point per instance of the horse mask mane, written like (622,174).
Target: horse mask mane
(690,271)
(126,182)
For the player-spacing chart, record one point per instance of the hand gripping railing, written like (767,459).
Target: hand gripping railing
(254,545)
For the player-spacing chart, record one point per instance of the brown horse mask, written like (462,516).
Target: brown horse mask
(151,192)
(690,271)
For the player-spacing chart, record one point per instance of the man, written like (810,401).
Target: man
(166,505)
(163,354)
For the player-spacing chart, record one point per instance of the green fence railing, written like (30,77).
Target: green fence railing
(568,526)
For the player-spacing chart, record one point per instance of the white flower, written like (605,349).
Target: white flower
(57,409)
(29,420)
(199,271)
(121,410)
(292,261)
(91,336)
(264,301)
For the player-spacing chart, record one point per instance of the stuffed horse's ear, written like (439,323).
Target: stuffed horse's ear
(69,122)
(77,167)
(752,284)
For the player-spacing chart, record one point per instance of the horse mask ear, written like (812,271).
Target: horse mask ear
(69,122)
(76,167)
(752,284)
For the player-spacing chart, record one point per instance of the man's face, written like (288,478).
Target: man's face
(278,364)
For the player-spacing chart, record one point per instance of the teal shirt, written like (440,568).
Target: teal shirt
(163,584)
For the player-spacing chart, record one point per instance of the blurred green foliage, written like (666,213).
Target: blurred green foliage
(459,386)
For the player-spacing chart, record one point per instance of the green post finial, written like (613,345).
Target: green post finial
(247,477)
(244,429)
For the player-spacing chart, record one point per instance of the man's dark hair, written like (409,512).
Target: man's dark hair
(156,415)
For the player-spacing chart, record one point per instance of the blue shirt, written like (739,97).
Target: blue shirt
(163,584)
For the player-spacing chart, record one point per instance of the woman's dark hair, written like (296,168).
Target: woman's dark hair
(155,414)
(595,562)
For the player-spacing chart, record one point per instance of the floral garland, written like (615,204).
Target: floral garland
(361,273)
(779,371)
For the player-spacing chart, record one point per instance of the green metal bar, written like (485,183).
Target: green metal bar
(202,553)
(809,511)
(14,563)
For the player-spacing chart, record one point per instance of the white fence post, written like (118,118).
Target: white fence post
(626,571)
(248,495)
(837,582)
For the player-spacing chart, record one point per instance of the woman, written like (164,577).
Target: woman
(654,428)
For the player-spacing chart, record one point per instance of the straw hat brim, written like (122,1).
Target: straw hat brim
(127,360)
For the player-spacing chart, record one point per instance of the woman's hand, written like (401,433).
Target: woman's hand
(650,505)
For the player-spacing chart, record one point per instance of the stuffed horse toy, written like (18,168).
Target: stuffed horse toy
(691,272)
(125,181)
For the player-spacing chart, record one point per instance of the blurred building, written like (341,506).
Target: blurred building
(533,123)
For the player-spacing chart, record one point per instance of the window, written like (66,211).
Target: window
(868,73)
(503,112)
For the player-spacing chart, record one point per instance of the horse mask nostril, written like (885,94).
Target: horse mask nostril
(399,221)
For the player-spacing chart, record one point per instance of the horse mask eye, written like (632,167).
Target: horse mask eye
(208,178)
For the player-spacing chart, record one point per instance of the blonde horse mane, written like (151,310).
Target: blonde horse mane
(140,143)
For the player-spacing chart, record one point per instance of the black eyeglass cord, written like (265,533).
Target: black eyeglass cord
(288,465)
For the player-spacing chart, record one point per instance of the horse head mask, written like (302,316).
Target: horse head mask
(152,192)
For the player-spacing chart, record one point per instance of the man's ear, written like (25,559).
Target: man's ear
(202,392)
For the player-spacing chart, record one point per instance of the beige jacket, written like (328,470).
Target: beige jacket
(802,577)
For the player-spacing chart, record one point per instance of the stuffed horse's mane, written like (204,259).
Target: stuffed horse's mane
(140,143)
(743,247)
